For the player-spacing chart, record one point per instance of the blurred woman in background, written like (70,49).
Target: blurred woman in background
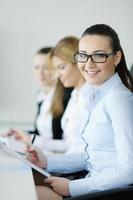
(52,99)
(62,56)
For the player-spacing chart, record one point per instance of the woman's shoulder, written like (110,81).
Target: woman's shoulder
(120,91)
(39,96)
(119,96)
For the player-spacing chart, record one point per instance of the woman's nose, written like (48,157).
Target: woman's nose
(90,63)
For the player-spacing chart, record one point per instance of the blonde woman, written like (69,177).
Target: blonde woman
(62,56)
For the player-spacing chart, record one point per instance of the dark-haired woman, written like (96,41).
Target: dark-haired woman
(108,154)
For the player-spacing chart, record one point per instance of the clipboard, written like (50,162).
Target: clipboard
(23,158)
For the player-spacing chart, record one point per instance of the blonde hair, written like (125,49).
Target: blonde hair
(65,50)
(57,105)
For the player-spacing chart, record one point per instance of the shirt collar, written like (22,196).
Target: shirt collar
(42,95)
(85,89)
(103,89)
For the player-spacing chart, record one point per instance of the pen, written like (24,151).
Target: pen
(33,139)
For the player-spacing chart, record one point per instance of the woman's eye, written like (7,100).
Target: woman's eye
(82,55)
(62,66)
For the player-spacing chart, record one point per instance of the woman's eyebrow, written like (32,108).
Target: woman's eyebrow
(96,51)
(100,50)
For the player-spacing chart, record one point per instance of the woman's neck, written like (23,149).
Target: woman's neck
(80,83)
(47,89)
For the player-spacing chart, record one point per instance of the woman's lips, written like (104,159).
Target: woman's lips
(91,73)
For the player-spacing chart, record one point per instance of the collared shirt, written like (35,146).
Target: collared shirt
(75,117)
(72,122)
(108,142)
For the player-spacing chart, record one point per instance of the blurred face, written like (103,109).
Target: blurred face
(68,72)
(97,73)
(45,76)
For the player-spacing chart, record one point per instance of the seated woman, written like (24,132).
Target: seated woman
(76,114)
(52,99)
(108,137)
(70,76)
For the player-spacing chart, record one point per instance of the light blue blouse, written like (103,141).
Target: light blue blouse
(108,137)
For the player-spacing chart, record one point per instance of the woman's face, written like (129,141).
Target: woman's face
(68,72)
(97,73)
(44,74)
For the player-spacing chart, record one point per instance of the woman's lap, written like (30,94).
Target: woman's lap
(46,193)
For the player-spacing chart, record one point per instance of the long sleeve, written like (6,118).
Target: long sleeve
(51,145)
(66,163)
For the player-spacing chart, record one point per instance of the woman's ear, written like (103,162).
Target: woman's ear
(117,57)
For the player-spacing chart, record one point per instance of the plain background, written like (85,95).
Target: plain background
(28,25)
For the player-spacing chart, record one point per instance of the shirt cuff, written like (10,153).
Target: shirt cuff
(78,187)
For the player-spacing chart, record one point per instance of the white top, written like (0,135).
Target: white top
(108,137)
(44,119)
(72,123)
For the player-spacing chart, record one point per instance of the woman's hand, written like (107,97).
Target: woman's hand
(19,135)
(36,156)
(59,185)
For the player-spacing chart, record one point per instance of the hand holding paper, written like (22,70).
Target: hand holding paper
(36,156)
(23,158)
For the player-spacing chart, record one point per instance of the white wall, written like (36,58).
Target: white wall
(27,25)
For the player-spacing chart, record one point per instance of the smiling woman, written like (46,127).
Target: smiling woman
(108,137)
(103,61)
(106,55)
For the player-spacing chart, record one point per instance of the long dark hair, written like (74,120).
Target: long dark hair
(106,30)
(44,50)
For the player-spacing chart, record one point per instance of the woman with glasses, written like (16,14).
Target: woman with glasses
(108,137)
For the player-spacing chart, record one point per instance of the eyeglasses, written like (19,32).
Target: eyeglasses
(96,57)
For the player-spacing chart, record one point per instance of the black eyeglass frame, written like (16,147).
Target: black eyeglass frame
(90,56)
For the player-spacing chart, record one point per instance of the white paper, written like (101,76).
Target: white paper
(14,144)
(23,159)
